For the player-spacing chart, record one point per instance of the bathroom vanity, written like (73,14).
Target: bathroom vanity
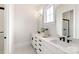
(52,45)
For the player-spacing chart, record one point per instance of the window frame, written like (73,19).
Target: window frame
(50,14)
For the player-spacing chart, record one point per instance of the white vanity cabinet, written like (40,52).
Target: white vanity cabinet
(43,47)
(37,43)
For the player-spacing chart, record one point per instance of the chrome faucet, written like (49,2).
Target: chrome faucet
(62,38)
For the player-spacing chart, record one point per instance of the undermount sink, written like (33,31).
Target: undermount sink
(63,44)
(69,46)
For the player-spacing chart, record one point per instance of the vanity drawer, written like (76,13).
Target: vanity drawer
(34,43)
(39,51)
(43,50)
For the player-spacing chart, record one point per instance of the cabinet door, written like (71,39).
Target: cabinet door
(44,47)
(41,47)
(34,41)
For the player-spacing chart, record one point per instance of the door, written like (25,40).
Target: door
(1,30)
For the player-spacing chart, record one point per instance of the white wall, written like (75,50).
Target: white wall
(40,22)
(1,19)
(63,8)
(52,28)
(25,24)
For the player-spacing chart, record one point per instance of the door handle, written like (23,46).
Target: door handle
(4,37)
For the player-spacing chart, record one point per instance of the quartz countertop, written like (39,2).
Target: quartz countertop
(71,48)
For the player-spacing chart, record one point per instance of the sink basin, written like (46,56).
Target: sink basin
(68,46)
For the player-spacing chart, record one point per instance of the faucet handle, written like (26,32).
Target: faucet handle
(60,38)
(68,41)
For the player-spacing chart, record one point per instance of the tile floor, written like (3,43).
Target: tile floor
(25,50)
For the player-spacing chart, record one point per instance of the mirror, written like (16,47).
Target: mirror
(67,23)
(66,28)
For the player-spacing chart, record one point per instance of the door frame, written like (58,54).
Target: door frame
(9,27)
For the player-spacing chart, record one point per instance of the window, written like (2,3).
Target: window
(49,15)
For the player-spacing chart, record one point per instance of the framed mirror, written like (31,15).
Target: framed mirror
(68,23)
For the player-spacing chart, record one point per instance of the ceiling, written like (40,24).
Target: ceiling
(40,6)
(37,6)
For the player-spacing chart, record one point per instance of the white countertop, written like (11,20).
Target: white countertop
(70,49)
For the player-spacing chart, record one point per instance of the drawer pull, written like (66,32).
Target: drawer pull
(35,44)
(40,45)
(40,50)
(40,40)
(35,40)
(35,49)
(35,37)
(32,38)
